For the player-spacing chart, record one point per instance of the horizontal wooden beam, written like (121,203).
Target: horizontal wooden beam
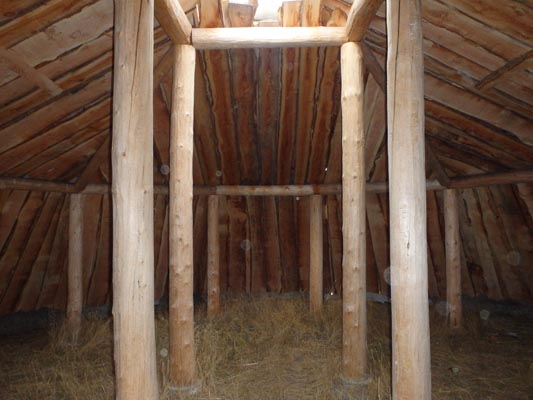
(267,37)
(496,178)
(222,190)
(173,20)
(361,14)
(274,190)
(37,185)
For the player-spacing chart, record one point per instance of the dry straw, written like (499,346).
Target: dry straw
(272,348)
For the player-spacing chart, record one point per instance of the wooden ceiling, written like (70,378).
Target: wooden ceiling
(273,116)
(271,112)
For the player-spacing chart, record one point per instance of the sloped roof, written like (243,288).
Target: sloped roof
(273,116)
(56,69)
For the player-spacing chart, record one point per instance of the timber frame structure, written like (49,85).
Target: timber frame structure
(136,84)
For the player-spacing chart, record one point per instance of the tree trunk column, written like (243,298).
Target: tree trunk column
(181,308)
(133,196)
(213,258)
(411,369)
(316,257)
(75,266)
(453,258)
(354,346)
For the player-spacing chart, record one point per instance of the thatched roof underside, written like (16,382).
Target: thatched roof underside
(263,117)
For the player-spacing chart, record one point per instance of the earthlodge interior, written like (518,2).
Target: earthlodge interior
(266,199)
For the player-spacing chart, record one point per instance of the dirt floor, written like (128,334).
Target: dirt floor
(271,348)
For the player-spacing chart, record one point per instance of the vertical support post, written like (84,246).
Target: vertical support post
(181,309)
(75,269)
(453,258)
(133,197)
(316,237)
(213,258)
(354,345)
(411,368)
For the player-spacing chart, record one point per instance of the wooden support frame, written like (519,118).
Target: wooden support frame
(453,258)
(213,258)
(221,190)
(354,332)
(435,165)
(316,247)
(172,18)
(497,178)
(359,18)
(133,202)
(75,267)
(91,170)
(21,67)
(374,67)
(267,37)
(473,181)
(411,367)
(181,307)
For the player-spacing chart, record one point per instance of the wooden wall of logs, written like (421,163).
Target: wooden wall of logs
(273,106)
(495,238)
(254,111)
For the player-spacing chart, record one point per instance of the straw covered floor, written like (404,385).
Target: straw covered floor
(272,348)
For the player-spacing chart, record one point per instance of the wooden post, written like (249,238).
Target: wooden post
(133,197)
(75,269)
(213,258)
(316,257)
(354,357)
(453,258)
(411,368)
(181,309)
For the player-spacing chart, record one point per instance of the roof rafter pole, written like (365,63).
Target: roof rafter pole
(75,269)
(375,68)
(181,308)
(172,18)
(435,165)
(91,170)
(20,66)
(354,328)
(133,202)
(411,367)
(453,258)
(359,18)
(267,37)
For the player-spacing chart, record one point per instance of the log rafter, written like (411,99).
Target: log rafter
(172,18)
